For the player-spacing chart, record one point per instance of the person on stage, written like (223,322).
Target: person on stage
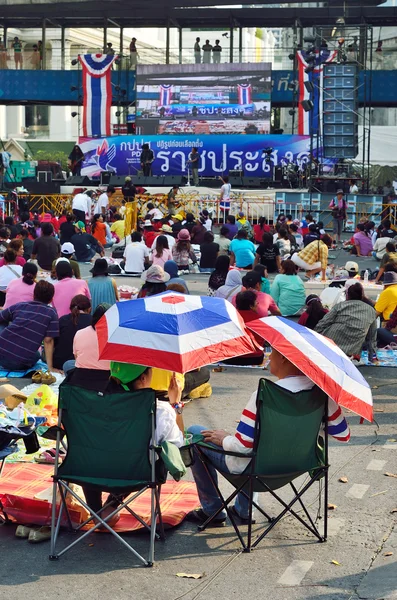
(75,160)
(224,199)
(146,159)
(338,211)
(194,161)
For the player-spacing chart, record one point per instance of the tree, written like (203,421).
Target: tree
(56,156)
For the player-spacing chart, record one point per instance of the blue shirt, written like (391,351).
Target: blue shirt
(28,324)
(244,251)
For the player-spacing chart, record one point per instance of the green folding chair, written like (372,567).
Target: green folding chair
(108,449)
(286,445)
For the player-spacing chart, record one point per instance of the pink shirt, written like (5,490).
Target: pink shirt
(265,304)
(86,350)
(19,261)
(161,260)
(65,290)
(18,291)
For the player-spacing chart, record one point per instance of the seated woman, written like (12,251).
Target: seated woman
(155,280)
(233,285)
(265,303)
(314,312)
(103,289)
(387,334)
(169,421)
(246,304)
(289,378)
(8,272)
(78,318)
(209,253)
(182,252)
(85,346)
(288,290)
(171,268)
(265,283)
(349,324)
(362,242)
(218,276)
(22,289)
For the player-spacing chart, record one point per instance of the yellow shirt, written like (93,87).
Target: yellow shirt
(118,227)
(314,252)
(161,379)
(387,301)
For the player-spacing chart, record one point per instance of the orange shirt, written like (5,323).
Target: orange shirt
(100,232)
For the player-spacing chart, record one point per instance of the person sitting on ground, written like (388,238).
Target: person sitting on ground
(63,218)
(169,422)
(209,253)
(98,229)
(312,236)
(27,243)
(223,241)
(85,245)
(155,279)
(67,230)
(198,231)
(17,246)
(233,285)
(314,258)
(8,272)
(46,248)
(231,226)
(4,239)
(21,289)
(264,302)
(78,318)
(387,301)
(67,251)
(349,324)
(177,224)
(265,283)
(314,312)
(288,290)
(27,325)
(182,252)
(243,223)
(387,334)
(386,229)
(242,251)
(176,287)
(362,242)
(259,229)
(268,254)
(379,248)
(162,252)
(171,268)
(289,378)
(389,257)
(118,227)
(136,255)
(283,243)
(166,231)
(9,223)
(246,304)
(153,213)
(298,237)
(86,348)
(149,233)
(103,289)
(190,222)
(205,215)
(67,288)
(218,276)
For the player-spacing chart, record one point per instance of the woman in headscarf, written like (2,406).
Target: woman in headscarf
(233,285)
(171,268)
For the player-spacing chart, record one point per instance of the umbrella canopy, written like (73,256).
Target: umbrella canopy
(321,360)
(173,331)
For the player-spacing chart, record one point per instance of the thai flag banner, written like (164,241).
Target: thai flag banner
(165,94)
(316,77)
(244,93)
(97,93)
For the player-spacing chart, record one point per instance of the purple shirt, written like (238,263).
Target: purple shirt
(28,324)
(364,241)
(232,230)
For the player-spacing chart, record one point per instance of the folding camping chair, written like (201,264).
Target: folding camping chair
(108,449)
(286,445)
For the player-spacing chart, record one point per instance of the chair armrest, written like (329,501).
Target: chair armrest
(225,452)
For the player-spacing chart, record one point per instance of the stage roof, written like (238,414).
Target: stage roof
(189,14)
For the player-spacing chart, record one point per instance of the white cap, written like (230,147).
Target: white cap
(67,248)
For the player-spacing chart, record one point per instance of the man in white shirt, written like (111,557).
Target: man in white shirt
(81,205)
(103,201)
(136,255)
(353,189)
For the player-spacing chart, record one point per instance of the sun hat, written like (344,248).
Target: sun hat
(178,217)
(184,235)
(147,223)
(100,267)
(80,225)
(390,278)
(351,266)
(67,248)
(340,191)
(166,228)
(155,274)
(125,372)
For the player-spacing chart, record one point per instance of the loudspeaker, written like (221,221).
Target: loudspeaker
(117,180)
(236,173)
(278,174)
(307,105)
(251,182)
(78,180)
(175,180)
(235,181)
(105,177)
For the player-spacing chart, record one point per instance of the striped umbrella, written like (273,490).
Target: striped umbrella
(173,331)
(321,360)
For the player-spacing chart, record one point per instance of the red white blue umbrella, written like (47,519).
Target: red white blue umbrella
(321,360)
(173,331)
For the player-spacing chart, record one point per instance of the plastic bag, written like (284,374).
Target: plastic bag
(43,397)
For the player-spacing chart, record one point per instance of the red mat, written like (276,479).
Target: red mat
(20,482)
